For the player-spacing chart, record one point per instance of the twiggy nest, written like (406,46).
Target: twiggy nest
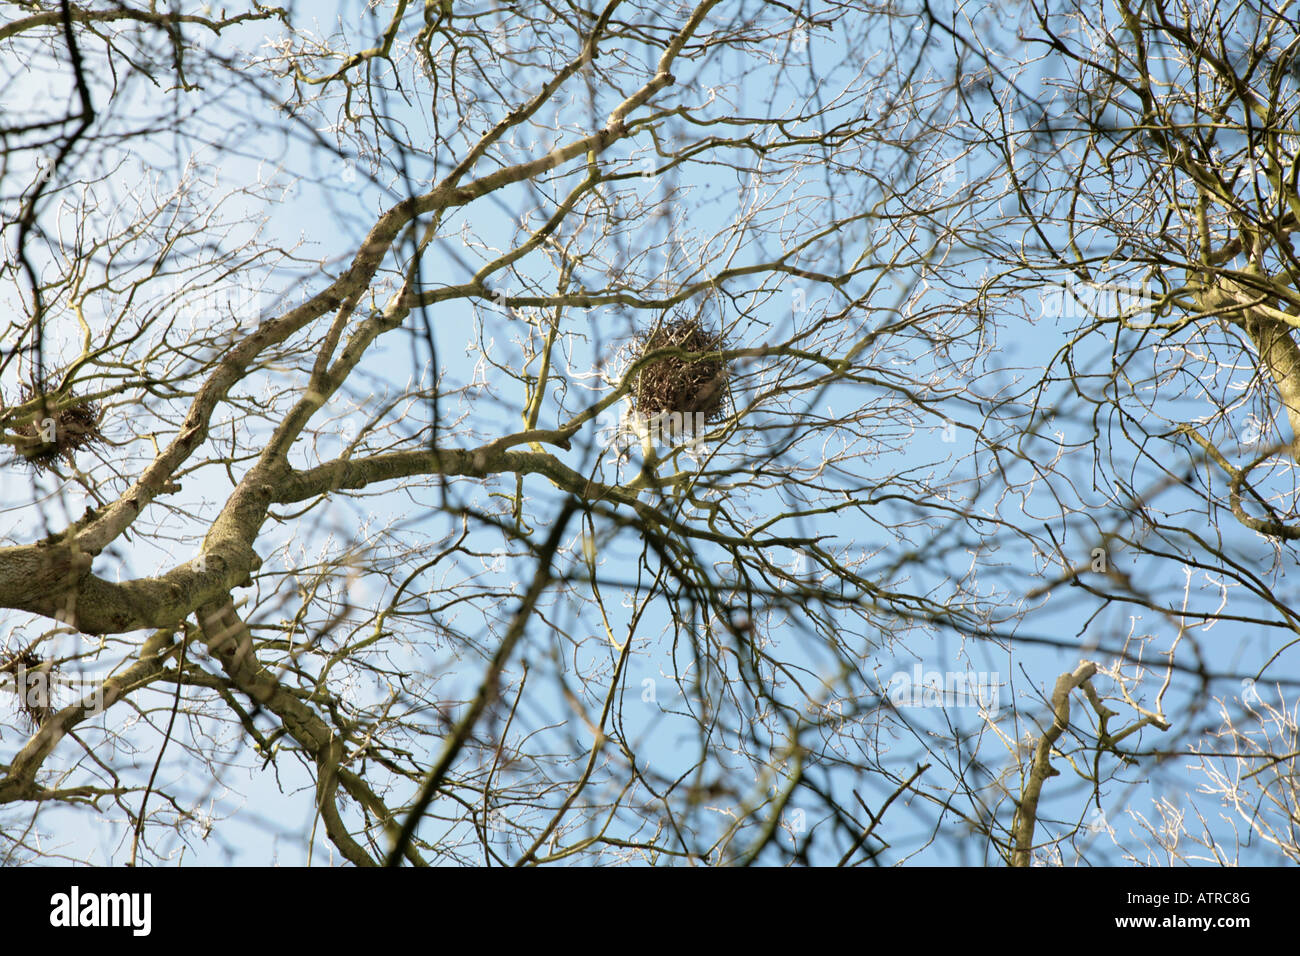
(690,391)
(32,679)
(57,432)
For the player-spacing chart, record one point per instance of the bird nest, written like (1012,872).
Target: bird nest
(677,393)
(59,431)
(30,678)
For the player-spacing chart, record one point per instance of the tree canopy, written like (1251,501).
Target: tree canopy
(724,433)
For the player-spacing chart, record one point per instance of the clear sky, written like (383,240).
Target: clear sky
(327,204)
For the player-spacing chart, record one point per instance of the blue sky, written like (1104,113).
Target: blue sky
(330,201)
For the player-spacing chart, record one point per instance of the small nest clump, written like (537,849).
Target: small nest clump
(676,392)
(31,679)
(57,432)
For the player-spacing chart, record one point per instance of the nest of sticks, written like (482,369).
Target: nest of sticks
(61,428)
(677,392)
